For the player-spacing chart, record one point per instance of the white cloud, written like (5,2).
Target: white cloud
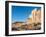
(30,15)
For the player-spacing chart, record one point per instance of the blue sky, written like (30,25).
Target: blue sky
(21,13)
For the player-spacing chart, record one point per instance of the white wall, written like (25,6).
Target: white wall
(2,19)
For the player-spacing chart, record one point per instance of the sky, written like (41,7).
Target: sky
(21,13)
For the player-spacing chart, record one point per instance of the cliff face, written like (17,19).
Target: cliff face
(36,17)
